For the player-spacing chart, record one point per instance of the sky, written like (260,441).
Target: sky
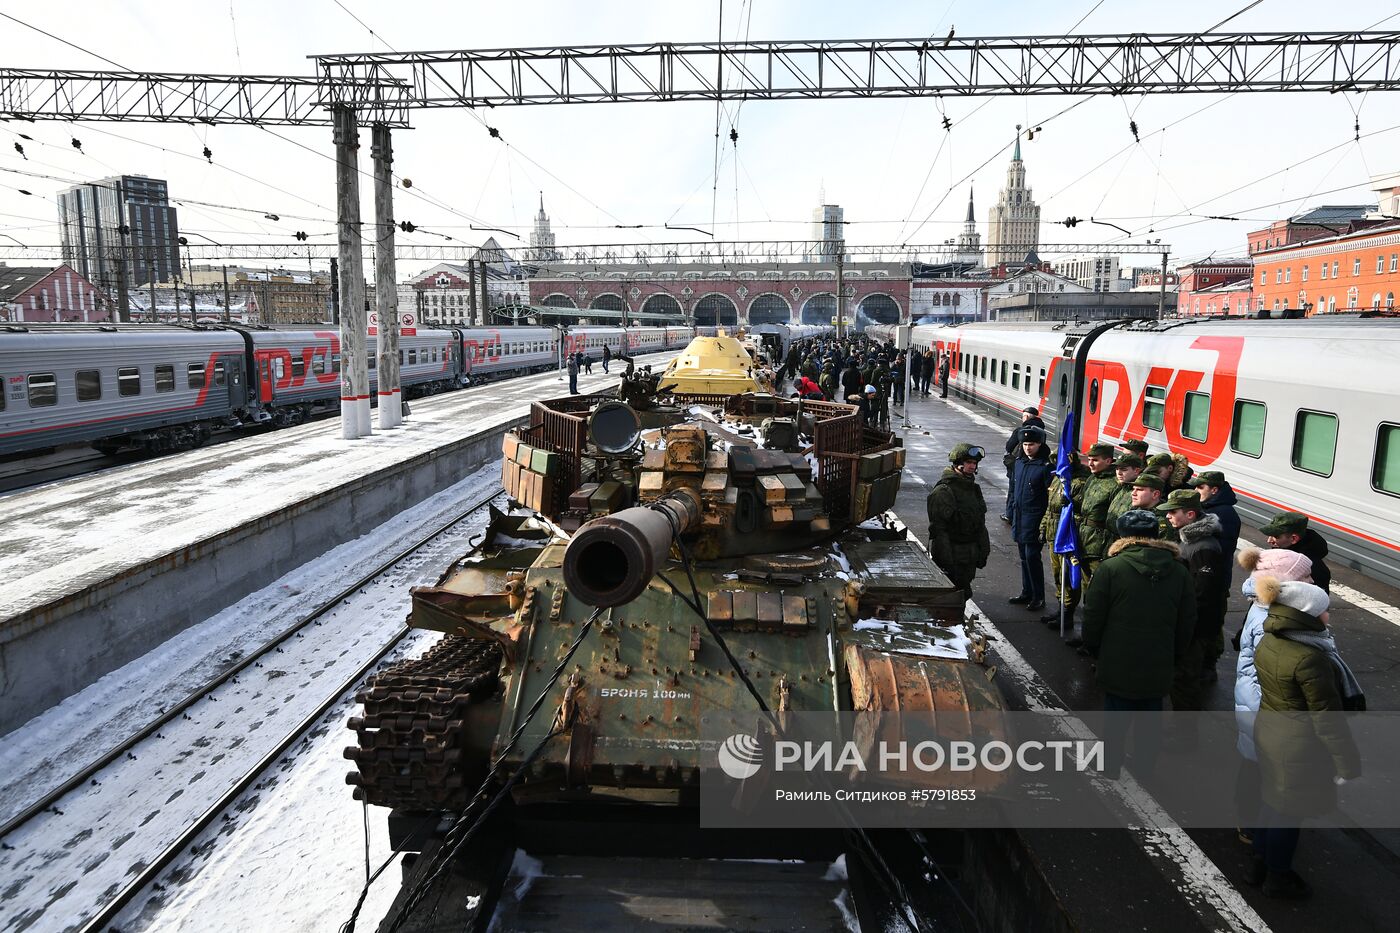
(900,177)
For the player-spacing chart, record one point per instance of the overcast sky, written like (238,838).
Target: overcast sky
(890,164)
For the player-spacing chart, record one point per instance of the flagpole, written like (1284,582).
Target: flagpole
(1062,596)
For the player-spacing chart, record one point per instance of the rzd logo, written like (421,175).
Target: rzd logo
(740,757)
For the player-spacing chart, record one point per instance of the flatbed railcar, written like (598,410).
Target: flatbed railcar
(157,387)
(1300,415)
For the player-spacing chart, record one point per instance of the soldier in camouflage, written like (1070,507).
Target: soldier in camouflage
(1099,489)
(1064,594)
(1126,469)
(957,519)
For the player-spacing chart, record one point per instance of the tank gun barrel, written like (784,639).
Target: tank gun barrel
(611,559)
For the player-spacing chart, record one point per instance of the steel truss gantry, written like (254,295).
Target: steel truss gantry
(633,255)
(382,87)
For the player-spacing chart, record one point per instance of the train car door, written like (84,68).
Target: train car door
(233,370)
(264,377)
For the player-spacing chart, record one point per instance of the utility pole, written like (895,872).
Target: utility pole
(354,376)
(123,297)
(152,316)
(386,303)
(227,310)
(840,291)
(471,292)
(482,279)
(1162,291)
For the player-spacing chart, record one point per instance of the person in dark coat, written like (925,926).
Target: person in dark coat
(957,519)
(897,380)
(1219,499)
(943,377)
(1199,532)
(573,374)
(1030,496)
(1030,418)
(852,383)
(916,369)
(607,356)
(1290,530)
(1301,758)
(1139,615)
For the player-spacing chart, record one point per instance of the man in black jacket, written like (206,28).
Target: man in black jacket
(1030,418)
(1199,532)
(1290,530)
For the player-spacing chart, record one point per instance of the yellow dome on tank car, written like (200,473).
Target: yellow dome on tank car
(718,365)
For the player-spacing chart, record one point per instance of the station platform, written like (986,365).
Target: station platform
(1104,880)
(103,567)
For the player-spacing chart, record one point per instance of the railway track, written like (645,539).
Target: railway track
(33,819)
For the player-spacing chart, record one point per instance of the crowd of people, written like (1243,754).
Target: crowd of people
(1143,594)
(871,375)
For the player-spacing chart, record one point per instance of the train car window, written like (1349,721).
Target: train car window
(335,362)
(1016,377)
(1093,395)
(1247,430)
(88,382)
(219,373)
(373,362)
(402,356)
(1154,407)
(1315,442)
(2,394)
(1064,389)
(1003,372)
(128,381)
(1040,389)
(43,390)
(279,368)
(413,356)
(1385,470)
(165,378)
(298,367)
(195,374)
(318,364)
(1195,416)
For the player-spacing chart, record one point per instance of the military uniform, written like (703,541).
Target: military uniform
(1079,475)
(957,520)
(1137,447)
(1122,500)
(1099,489)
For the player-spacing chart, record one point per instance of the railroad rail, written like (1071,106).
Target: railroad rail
(137,882)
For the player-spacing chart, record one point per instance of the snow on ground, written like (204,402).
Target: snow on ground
(57,743)
(63,864)
(64,536)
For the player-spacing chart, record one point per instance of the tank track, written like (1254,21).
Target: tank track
(411,737)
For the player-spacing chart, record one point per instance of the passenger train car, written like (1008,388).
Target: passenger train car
(1300,415)
(161,387)
(779,338)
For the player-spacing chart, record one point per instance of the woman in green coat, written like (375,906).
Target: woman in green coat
(1300,756)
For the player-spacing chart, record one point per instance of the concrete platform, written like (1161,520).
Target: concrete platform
(1121,880)
(99,569)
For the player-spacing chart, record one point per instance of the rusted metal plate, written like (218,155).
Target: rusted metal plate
(770,608)
(721,608)
(745,607)
(794,612)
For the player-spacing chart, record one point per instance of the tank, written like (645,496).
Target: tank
(658,541)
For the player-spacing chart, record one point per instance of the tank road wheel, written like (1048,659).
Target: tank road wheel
(412,752)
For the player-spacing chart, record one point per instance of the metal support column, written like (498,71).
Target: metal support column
(386,302)
(354,374)
(471,294)
(840,291)
(481,278)
(1162,290)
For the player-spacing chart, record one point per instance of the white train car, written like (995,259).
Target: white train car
(1300,415)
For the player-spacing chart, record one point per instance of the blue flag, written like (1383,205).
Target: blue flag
(1067,534)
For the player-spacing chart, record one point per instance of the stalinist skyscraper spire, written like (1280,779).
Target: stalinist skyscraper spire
(1013,226)
(542,238)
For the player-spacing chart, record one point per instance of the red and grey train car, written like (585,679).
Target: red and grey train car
(164,387)
(1300,415)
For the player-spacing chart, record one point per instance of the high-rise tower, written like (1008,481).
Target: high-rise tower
(1013,226)
(969,249)
(542,238)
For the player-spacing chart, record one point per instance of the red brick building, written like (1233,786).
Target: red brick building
(1210,273)
(52,295)
(1354,271)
